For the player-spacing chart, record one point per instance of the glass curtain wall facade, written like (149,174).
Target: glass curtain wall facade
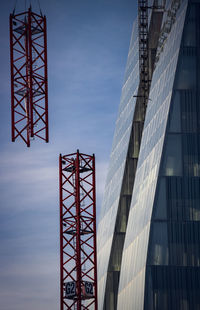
(133,270)
(107,239)
(123,163)
(149,231)
(173,260)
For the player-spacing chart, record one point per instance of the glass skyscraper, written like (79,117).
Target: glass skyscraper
(149,230)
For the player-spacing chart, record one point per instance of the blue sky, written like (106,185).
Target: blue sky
(88,44)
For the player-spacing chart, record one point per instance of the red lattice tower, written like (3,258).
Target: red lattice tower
(78,267)
(29,88)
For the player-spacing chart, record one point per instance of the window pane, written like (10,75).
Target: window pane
(158,254)
(189,37)
(161,202)
(175,120)
(186,72)
(172,163)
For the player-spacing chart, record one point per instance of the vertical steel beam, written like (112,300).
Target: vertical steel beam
(30,72)
(94,229)
(12,80)
(61,233)
(28,96)
(78,231)
(46,81)
(38,76)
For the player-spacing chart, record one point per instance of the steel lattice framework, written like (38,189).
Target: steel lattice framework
(143,48)
(29,88)
(78,267)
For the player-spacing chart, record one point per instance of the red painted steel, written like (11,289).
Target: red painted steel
(61,233)
(29,89)
(78,263)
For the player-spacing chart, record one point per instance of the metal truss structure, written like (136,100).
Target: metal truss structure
(167,26)
(143,49)
(29,88)
(78,262)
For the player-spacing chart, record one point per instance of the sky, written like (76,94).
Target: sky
(88,45)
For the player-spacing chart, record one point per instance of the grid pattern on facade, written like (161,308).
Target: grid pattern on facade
(173,263)
(132,279)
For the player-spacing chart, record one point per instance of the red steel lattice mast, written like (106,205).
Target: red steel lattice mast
(78,266)
(29,88)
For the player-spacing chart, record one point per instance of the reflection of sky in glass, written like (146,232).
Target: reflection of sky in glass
(117,162)
(131,289)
